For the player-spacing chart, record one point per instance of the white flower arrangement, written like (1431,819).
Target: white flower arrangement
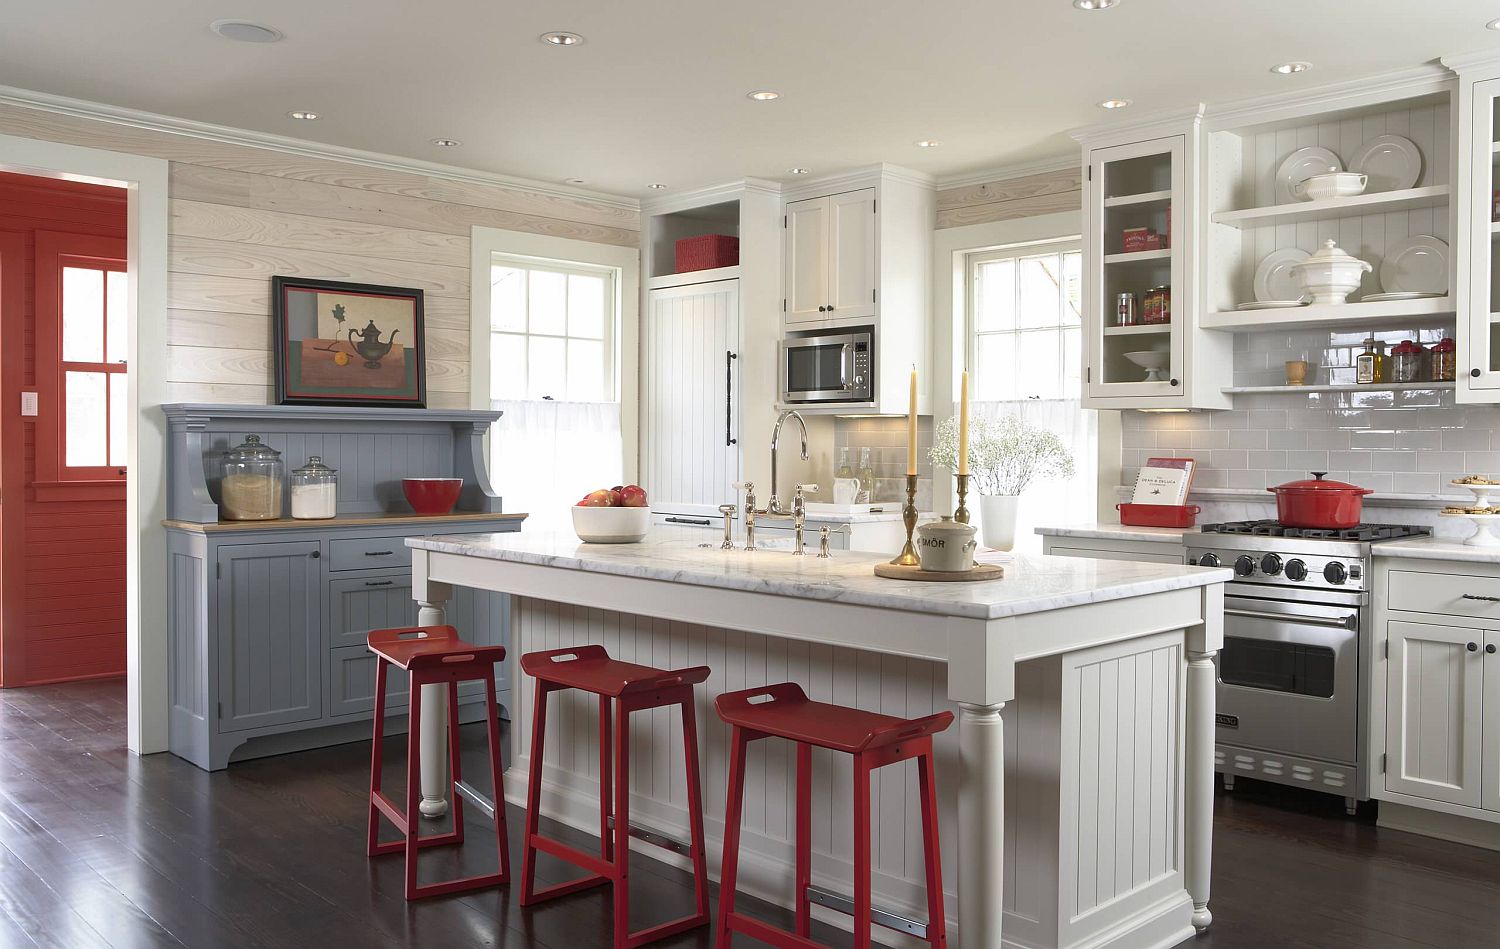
(1006,453)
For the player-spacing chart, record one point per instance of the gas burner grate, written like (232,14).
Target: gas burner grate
(1364,533)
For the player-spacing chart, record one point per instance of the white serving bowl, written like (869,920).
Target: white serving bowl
(1337,184)
(1329,275)
(611,525)
(1153,361)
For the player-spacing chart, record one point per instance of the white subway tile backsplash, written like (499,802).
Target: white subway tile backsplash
(1248,438)
(1202,441)
(1416,484)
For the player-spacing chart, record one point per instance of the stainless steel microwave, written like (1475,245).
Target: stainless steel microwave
(829,368)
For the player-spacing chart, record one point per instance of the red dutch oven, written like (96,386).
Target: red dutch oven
(1319,504)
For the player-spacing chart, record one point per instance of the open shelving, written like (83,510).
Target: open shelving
(1332,209)
(1352,387)
(1313,316)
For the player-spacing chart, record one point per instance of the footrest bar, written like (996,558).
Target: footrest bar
(473,796)
(657,840)
(837,901)
(768,934)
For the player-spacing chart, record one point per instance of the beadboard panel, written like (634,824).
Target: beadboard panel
(217,222)
(1029,196)
(195,255)
(254,367)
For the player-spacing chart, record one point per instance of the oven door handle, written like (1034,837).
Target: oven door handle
(1347,622)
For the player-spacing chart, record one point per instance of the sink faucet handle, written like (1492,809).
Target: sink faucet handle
(728,511)
(823,553)
(744,486)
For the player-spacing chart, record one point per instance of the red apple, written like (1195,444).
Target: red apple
(633,495)
(617,496)
(600,498)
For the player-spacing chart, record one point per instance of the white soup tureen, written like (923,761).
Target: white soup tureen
(1329,275)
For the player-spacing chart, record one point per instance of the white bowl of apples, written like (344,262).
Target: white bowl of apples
(618,515)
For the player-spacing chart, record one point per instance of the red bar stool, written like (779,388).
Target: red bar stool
(784,711)
(434,655)
(625,687)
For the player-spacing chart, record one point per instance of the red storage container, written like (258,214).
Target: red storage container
(1158,515)
(707,251)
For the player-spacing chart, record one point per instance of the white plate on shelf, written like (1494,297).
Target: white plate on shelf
(1390,297)
(1271,304)
(1274,280)
(1415,265)
(1389,163)
(1301,165)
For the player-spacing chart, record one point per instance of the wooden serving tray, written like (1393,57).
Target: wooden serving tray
(983,571)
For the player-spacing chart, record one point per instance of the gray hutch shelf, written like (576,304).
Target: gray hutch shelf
(268,618)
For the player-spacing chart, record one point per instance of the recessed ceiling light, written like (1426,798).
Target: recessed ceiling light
(303,116)
(763,95)
(1114,103)
(1094,4)
(244,31)
(446,142)
(797,171)
(575,181)
(656,187)
(1492,25)
(1287,69)
(560,38)
(928,143)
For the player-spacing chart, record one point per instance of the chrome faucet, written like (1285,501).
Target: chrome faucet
(773,507)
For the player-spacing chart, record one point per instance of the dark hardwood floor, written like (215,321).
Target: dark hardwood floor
(99,848)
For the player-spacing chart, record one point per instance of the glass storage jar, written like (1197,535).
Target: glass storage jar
(1406,361)
(1445,361)
(251,487)
(315,490)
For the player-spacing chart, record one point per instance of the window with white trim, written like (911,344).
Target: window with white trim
(553,327)
(1025,316)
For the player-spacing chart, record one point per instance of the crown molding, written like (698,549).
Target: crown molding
(862,177)
(712,194)
(1141,127)
(171,125)
(1475,60)
(1426,79)
(1042,166)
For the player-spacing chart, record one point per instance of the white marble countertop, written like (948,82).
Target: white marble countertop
(1031,584)
(1165,535)
(1436,548)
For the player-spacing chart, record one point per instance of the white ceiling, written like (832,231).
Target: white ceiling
(657,93)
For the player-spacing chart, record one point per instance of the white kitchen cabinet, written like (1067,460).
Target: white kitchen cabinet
(830,257)
(1167,550)
(1478,281)
(1435,711)
(1489,782)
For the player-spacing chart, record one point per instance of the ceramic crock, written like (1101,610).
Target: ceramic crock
(946,545)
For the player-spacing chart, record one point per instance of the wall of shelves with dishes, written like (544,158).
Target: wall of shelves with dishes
(1373,180)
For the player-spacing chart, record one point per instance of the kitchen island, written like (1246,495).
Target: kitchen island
(1081,816)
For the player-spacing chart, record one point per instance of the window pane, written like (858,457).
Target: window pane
(1039,291)
(508,299)
(586,305)
(585,370)
(83,315)
(1072,264)
(546,368)
(507,366)
(118,402)
(548,304)
(85,413)
(1039,362)
(117,315)
(995,374)
(1072,381)
(995,296)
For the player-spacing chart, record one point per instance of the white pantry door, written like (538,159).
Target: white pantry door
(690,405)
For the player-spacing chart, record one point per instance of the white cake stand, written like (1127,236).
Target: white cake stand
(1482,492)
(1484,535)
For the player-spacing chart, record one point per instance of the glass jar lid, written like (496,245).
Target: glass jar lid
(314,466)
(252,449)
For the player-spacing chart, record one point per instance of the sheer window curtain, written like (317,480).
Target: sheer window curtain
(545,455)
(1054,502)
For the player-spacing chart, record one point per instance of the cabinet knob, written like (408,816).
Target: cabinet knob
(822,309)
(1472,647)
(1176,382)
(1475,373)
(316,554)
(1489,649)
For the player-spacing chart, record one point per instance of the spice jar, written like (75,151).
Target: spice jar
(1406,361)
(1157,307)
(251,487)
(315,488)
(1445,361)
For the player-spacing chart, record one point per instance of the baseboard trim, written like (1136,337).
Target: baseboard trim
(1450,827)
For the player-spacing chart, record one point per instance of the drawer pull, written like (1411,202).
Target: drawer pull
(380,583)
(695,521)
(379,553)
(1486,599)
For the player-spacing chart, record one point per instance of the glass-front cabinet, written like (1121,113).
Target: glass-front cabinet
(1478,363)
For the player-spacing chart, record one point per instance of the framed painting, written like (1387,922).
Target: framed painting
(348,344)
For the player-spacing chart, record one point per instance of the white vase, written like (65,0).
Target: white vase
(997,520)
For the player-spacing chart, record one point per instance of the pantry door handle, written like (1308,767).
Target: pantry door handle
(729,439)
(379,583)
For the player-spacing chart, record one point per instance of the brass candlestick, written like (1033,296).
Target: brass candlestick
(908,556)
(962,514)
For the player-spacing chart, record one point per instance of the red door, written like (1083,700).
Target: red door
(62,479)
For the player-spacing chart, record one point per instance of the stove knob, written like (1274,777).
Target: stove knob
(1335,573)
(1208,560)
(1270,565)
(1244,566)
(1296,570)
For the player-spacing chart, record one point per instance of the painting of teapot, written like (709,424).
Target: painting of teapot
(369,344)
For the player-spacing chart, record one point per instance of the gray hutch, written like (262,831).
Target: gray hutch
(268,618)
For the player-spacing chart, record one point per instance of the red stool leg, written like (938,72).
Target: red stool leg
(372,835)
(497,781)
(937,924)
(534,794)
(695,808)
(621,873)
(804,838)
(734,811)
(606,783)
(413,785)
(455,760)
(862,921)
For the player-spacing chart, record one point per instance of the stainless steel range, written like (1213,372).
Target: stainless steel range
(1291,702)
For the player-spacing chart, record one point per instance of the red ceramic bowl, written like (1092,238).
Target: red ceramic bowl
(431,495)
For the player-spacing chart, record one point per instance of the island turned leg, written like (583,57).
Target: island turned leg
(1200,782)
(981,824)
(434,726)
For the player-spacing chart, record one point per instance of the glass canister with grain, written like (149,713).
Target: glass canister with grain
(251,487)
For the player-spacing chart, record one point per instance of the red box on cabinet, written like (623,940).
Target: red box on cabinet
(1158,515)
(707,251)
